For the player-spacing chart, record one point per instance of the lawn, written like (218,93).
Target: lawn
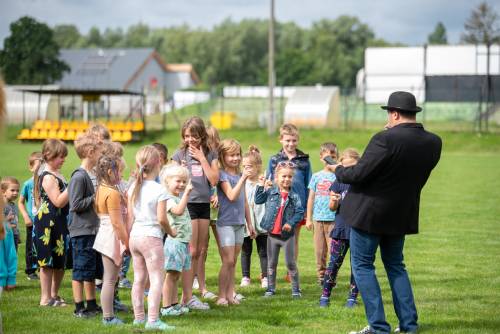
(453,262)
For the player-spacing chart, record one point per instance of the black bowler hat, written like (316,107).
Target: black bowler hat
(403,102)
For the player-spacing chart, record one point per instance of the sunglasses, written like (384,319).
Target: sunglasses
(287,164)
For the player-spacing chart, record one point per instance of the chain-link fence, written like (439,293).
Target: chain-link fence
(253,113)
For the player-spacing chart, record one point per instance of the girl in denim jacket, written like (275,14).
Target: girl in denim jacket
(283,212)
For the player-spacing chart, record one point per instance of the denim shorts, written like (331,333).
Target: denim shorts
(231,235)
(84,258)
(177,255)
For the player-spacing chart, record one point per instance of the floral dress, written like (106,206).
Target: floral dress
(50,229)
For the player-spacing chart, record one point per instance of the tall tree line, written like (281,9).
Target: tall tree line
(330,52)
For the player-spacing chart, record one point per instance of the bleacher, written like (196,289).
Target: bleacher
(70,130)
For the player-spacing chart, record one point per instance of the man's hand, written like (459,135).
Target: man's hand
(287,228)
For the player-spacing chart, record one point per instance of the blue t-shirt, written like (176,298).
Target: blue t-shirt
(230,213)
(342,229)
(27,193)
(320,184)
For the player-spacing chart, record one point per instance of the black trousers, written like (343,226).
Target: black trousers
(29,257)
(246,254)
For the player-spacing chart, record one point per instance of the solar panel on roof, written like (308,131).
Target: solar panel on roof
(97,64)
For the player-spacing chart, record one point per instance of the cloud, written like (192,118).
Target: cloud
(396,21)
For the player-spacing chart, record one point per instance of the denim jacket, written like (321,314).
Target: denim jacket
(293,212)
(302,176)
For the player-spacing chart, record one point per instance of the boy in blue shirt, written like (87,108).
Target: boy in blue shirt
(319,217)
(28,211)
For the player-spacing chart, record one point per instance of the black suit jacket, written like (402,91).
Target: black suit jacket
(384,197)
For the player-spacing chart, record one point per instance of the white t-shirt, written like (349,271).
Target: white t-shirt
(145,219)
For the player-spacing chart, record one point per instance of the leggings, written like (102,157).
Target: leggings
(148,259)
(108,286)
(246,254)
(274,243)
(338,250)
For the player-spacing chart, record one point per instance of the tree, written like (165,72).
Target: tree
(66,36)
(94,38)
(438,36)
(482,27)
(30,54)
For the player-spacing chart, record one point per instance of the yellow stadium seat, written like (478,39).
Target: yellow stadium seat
(82,126)
(43,134)
(70,135)
(128,126)
(38,124)
(52,134)
(126,136)
(24,134)
(33,134)
(65,125)
(55,125)
(61,134)
(138,126)
(116,136)
(120,126)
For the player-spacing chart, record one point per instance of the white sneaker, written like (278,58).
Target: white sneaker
(195,304)
(263,283)
(238,297)
(196,285)
(245,281)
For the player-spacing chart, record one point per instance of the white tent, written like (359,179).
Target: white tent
(314,106)
(407,68)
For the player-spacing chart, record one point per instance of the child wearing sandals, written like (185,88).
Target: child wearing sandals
(112,240)
(51,224)
(213,141)
(147,211)
(231,221)
(175,179)
(201,163)
(253,162)
(340,237)
(283,212)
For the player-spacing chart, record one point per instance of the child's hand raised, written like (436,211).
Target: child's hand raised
(262,180)
(287,228)
(268,184)
(196,153)
(189,187)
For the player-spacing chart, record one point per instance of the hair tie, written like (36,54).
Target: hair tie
(41,169)
(141,169)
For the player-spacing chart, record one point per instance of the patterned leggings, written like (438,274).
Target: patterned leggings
(338,250)
(148,259)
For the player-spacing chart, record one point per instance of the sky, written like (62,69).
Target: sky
(408,22)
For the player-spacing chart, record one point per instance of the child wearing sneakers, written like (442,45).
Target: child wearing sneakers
(84,226)
(283,212)
(253,162)
(340,237)
(148,217)
(112,240)
(27,208)
(175,179)
(319,217)
(289,139)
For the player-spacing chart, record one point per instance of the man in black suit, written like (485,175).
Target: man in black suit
(382,206)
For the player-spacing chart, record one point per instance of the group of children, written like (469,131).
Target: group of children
(161,216)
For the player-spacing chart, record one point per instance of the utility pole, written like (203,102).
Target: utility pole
(272,78)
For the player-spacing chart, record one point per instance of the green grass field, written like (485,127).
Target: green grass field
(453,262)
